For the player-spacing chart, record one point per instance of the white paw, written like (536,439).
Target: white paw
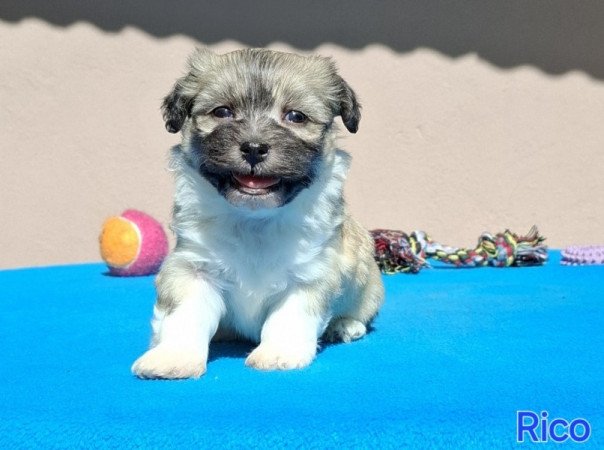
(270,357)
(345,330)
(170,363)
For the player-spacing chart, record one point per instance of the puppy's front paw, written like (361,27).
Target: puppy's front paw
(169,363)
(270,357)
(344,330)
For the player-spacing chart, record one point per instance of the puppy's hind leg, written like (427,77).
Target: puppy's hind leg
(344,329)
(351,321)
(186,317)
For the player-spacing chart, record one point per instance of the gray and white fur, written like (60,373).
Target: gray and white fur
(265,250)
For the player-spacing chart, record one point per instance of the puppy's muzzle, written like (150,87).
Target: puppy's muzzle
(254,152)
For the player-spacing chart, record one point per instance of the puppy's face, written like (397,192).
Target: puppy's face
(257,123)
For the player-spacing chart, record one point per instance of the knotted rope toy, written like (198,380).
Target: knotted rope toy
(583,255)
(397,252)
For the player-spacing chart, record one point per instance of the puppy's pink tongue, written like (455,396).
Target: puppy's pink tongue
(253,182)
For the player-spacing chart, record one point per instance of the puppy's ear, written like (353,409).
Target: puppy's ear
(176,107)
(178,103)
(350,108)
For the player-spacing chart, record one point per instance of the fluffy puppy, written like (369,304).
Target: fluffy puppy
(265,248)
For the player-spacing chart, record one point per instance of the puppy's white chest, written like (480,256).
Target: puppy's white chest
(254,270)
(246,311)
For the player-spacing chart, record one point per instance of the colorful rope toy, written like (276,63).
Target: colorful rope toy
(397,252)
(582,255)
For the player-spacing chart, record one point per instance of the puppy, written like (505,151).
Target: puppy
(265,248)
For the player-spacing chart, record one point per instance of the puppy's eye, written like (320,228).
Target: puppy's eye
(222,112)
(295,116)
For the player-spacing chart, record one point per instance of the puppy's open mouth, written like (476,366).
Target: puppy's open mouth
(255,185)
(255,191)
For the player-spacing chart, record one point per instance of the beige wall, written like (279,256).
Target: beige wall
(474,119)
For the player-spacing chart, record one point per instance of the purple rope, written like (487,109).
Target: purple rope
(579,255)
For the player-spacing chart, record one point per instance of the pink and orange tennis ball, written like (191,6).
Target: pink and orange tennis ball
(133,244)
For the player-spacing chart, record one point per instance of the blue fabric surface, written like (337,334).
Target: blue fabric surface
(454,354)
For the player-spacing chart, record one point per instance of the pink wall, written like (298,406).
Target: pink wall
(468,125)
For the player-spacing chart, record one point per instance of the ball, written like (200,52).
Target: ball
(133,244)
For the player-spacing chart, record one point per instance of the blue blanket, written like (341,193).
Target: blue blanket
(454,354)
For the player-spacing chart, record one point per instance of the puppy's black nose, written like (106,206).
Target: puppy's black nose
(253,152)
